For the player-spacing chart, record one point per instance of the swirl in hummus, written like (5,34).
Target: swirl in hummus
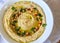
(24,21)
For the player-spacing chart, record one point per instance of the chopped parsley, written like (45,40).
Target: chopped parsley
(13,23)
(22,10)
(35,8)
(18,33)
(44,25)
(23,33)
(33,29)
(13,15)
(18,28)
(37,19)
(13,8)
(40,15)
(41,18)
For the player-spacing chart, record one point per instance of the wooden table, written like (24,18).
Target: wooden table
(55,7)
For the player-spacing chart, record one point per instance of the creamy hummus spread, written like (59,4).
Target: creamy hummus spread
(24,21)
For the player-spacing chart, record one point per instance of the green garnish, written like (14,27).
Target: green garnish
(40,15)
(23,33)
(41,18)
(18,33)
(32,29)
(22,10)
(44,25)
(37,19)
(13,8)
(13,15)
(30,17)
(13,23)
(18,28)
(35,8)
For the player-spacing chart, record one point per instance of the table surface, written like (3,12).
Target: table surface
(55,7)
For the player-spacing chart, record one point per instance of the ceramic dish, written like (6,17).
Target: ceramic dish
(49,21)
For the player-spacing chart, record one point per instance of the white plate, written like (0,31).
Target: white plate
(49,21)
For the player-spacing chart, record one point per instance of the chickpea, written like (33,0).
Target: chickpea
(35,14)
(16,15)
(18,31)
(12,26)
(40,22)
(27,33)
(38,25)
(37,28)
(29,11)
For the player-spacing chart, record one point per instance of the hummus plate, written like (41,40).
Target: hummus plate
(26,21)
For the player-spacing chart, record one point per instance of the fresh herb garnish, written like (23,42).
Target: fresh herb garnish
(22,10)
(13,8)
(18,28)
(13,23)
(41,18)
(37,19)
(35,8)
(13,15)
(23,33)
(33,29)
(39,14)
(44,25)
(18,33)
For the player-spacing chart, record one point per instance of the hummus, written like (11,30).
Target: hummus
(24,21)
